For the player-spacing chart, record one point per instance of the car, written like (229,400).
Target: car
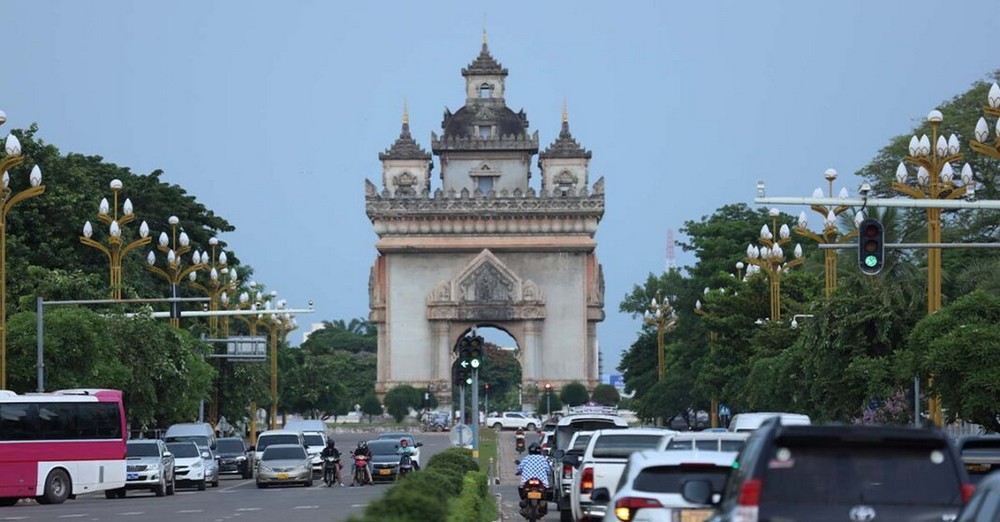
(315,442)
(980,454)
(437,421)
(751,421)
(400,436)
(211,466)
(843,472)
(234,456)
(201,433)
(511,420)
(284,464)
(565,463)
(148,465)
(985,503)
(189,467)
(705,441)
(545,441)
(581,419)
(653,481)
(385,460)
(270,437)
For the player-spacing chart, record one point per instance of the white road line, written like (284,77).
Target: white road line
(191,511)
(14,518)
(230,488)
(306,507)
(75,515)
(247,509)
(358,505)
(130,513)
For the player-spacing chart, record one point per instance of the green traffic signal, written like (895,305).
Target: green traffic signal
(871,246)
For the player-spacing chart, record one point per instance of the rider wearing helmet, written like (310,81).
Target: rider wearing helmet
(534,466)
(405,449)
(362,450)
(331,451)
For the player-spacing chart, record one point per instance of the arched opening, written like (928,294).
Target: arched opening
(499,375)
(485,91)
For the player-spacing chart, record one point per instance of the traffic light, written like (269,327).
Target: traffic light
(871,246)
(470,352)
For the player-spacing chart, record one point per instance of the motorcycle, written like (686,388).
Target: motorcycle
(519,445)
(361,470)
(405,466)
(331,470)
(533,507)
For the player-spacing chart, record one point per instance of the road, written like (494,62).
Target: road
(235,499)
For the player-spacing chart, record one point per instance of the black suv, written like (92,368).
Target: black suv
(842,473)
(234,456)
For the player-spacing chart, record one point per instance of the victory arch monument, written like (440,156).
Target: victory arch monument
(484,247)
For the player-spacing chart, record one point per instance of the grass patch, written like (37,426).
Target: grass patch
(487,447)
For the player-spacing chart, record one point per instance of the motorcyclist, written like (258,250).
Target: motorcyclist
(362,450)
(519,439)
(534,466)
(405,449)
(331,451)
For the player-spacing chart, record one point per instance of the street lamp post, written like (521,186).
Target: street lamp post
(770,258)
(934,181)
(548,399)
(246,301)
(116,248)
(713,337)
(278,326)
(661,315)
(174,247)
(830,234)
(7,200)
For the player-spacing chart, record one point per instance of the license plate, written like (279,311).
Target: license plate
(535,495)
(282,475)
(695,515)
(132,476)
(385,472)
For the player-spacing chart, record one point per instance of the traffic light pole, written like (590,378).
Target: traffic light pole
(461,408)
(475,414)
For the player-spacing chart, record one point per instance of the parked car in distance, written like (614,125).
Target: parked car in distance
(400,436)
(985,503)
(652,484)
(512,420)
(284,464)
(751,421)
(189,467)
(270,437)
(385,460)
(148,465)
(980,454)
(844,472)
(706,441)
(234,457)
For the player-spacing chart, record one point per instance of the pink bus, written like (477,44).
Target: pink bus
(54,446)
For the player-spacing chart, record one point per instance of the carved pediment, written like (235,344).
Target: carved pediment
(486,284)
(565,178)
(405,180)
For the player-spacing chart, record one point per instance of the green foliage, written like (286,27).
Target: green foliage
(471,503)
(549,402)
(357,336)
(574,394)
(414,500)
(459,459)
(400,399)
(502,371)
(371,406)
(606,394)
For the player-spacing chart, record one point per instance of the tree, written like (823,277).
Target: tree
(355,337)
(549,402)
(371,406)
(574,394)
(400,399)
(606,395)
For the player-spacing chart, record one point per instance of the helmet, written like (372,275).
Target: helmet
(535,449)
(362,445)
(404,442)
(331,443)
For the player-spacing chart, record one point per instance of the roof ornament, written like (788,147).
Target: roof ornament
(406,113)
(565,113)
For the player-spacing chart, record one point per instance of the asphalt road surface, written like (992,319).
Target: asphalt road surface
(234,500)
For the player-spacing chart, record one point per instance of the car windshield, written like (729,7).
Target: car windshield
(396,437)
(143,449)
(564,433)
(581,442)
(183,450)
(670,479)
(844,474)
(200,440)
(281,438)
(231,446)
(621,446)
(382,447)
(314,440)
(284,453)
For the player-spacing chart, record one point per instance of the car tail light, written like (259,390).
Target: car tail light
(625,508)
(587,480)
(534,483)
(567,471)
(747,507)
(967,491)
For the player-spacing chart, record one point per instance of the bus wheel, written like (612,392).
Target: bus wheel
(8,501)
(57,488)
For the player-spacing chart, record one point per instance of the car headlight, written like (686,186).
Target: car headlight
(196,464)
(153,467)
(266,469)
(241,458)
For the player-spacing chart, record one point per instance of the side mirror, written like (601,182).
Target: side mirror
(205,454)
(697,491)
(559,454)
(600,496)
(250,447)
(419,444)
(572,460)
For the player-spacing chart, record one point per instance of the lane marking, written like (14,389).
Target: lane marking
(130,513)
(306,507)
(358,505)
(247,509)
(244,483)
(191,511)
(75,515)
(14,518)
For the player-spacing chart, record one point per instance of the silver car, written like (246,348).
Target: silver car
(211,466)
(149,465)
(284,464)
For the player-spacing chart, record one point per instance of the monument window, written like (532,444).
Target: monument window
(485,132)
(563,188)
(484,183)
(485,91)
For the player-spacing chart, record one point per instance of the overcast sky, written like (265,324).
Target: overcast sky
(272,113)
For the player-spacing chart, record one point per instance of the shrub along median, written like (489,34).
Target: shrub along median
(449,487)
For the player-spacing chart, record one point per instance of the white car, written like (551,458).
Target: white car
(706,441)
(652,483)
(189,467)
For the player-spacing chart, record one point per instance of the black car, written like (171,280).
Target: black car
(842,472)
(980,454)
(234,457)
(385,460)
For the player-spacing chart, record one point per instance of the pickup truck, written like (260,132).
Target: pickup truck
(511,420)
(602,464)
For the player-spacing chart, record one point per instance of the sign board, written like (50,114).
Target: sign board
(461,436)
(617,380)
(246,348)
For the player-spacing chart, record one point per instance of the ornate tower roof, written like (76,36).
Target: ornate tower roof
(484,64)
(565,145)
(405,147)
